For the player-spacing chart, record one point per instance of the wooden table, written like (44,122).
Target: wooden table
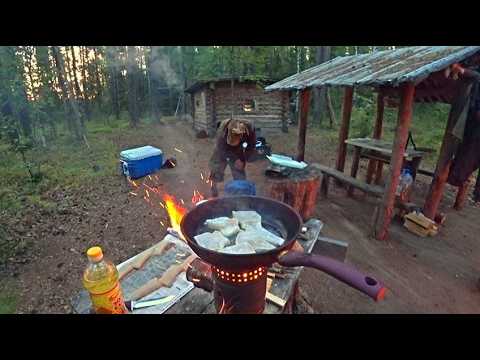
(379,152)
(198,301)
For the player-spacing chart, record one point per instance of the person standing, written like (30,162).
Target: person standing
(235,144)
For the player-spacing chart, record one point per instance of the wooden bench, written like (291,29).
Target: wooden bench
(352,182)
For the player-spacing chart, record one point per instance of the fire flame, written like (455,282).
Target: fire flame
(175,211)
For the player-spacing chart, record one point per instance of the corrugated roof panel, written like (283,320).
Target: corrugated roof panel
(388,67)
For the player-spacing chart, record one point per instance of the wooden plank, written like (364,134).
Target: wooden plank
(382,146)
(344,128)
(370,189)
(302,123)
(401,136)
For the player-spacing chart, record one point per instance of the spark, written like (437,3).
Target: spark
(201,175)
(183,202)
(180,151)
(161,222)
(149,177)
(131,192)
(148,194)
(161,204)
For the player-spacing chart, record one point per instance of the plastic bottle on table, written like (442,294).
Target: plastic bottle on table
(100,278)
(406,180)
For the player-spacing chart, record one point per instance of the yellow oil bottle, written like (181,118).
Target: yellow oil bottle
(100,278)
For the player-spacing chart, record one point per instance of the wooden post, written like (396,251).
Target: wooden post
(302,123)
(355,164)
(384,216)
(377,134)
(343,134)
(447,150)
(461,195)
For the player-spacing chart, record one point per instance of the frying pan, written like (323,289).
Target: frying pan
(280,219)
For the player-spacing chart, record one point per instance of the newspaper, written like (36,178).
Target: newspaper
(154,267)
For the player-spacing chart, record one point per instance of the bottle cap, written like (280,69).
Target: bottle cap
(95,253)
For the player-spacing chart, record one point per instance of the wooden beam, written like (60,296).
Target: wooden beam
(344,127)
(385,214)
(377,134)
(447,151)
(302,123)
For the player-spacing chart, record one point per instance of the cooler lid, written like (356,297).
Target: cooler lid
(140,153)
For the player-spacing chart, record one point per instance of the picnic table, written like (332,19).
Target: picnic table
(192,300)
(379,152)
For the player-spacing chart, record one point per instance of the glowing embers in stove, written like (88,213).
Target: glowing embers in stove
(240,278)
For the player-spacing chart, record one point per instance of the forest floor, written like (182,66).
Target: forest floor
(424,275)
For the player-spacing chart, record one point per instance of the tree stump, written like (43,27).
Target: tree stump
(299,190)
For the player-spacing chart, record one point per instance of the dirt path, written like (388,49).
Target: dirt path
(424,275)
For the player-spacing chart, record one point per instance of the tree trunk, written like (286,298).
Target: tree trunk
(112,58)
(322,54)
(131,78)
(74,68)
(69,73)
(97,76)
(184,80)
(85,84)
(75,121)
(331,112)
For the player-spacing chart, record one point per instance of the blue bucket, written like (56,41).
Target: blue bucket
(240,187)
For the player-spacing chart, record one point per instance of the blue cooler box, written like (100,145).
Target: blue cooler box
(140,162)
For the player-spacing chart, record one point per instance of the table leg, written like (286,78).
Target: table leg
(378,173)
(355,164)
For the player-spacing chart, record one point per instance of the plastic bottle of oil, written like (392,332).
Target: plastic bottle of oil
(101,281)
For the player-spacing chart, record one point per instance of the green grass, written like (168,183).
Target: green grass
(8,299)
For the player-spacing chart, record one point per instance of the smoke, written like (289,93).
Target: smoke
(161,67)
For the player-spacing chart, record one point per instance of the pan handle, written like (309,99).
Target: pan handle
(343,272)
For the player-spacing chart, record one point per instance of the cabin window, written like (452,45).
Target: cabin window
(249,105)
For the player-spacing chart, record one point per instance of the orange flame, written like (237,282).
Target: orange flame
(175,211)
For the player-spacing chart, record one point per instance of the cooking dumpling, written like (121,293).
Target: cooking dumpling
(212,241)
(225,225)
(244,248)
(259,232)
(255,239)
(247,218)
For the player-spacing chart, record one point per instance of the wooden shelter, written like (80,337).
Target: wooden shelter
(402,76)
(212,102)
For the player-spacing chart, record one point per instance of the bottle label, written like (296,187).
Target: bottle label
(110,302)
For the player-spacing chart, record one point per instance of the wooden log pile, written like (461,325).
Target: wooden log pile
(420,225)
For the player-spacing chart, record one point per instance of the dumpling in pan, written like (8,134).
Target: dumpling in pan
(244,248)
(225,225)
(212,241)
(255,239)
(247,218)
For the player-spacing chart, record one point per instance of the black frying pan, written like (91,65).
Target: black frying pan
(282,220)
